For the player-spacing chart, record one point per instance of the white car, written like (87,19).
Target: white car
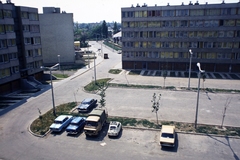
(114,128)
(167,136)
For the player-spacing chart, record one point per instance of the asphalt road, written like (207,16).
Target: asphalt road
(16,143)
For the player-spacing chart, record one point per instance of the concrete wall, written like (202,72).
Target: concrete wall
(57,38)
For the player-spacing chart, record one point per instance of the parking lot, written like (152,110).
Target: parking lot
(143,144)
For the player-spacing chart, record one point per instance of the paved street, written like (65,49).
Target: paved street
(16,143)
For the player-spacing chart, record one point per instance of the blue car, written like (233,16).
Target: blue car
(76,125)
(60,123)
(87,105)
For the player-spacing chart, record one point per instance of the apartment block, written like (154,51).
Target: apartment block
(20,47)
(161,37)
(57,36)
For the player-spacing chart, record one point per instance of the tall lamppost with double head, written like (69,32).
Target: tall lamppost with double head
(199,76)
(189,72)
(50,69)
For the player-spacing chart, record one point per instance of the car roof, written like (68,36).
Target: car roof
(87,99)
(77,119)
(168,129)
(61,117)
(93,118)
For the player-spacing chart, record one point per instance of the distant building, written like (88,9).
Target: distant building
(160,37)
(20,48)
(57,36)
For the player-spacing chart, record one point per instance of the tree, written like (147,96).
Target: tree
(228,101)
(115,28)
(102,88)
(104,29)
(156,104)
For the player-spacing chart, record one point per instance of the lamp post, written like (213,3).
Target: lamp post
(189,72)
(59,62)
(95,68)
(199,75)
(88,54)
(50,69)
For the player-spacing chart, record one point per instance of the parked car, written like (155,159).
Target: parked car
(167,136)
(114,128)
(87,105)
(60,123)
(76,125)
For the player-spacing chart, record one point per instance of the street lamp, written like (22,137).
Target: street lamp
(95,68)
(189,72)
(50,69)
(199,75)
(59,62)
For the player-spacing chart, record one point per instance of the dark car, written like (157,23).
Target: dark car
(76,125)
(87,105)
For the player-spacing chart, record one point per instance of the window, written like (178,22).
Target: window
(211,56)
(9,28)
(164,34)
(2,30)
(197,12)
(212,12)
(123,14)
(12,55)
(183,23)
(33,16)
(193,44)
(29,53)
(15,69)
(223,56)
(36,40)
(168,13)
(1,14)
(27,40)
(208,45)
(24,15)
(182,12)
(199,23)
(167,23)
(228,11)
(11,42)
(4,72)
(7,13)
(3,43)
(228,23)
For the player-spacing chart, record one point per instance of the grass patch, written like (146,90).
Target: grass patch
(115,71)
(94,87)
(134,72)
(42,123)
(60,75)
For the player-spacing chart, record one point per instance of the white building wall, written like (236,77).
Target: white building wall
(57,38)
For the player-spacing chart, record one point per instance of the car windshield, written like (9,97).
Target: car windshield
(89,123)
(58,122)
(112,127)
(74,123)
(85,102)
(167,135)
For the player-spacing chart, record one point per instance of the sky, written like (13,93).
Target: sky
(91,11)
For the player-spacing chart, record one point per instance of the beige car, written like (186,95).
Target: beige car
(167,136)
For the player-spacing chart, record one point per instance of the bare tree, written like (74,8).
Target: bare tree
(102,88)
(228,101)
(156,104)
